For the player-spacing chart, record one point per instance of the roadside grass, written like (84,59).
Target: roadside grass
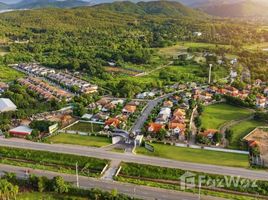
(93,141)
(241,130)
(8,74)
(86,127)
(47,196)
(196,155)
(118,150)
(216,115)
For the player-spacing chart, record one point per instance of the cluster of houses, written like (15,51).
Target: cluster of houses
(206,95)
(71,81)
(63,78)
(44,89)
(171,117)
(106,112)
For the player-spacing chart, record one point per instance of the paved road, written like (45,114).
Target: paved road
(147,111)
(128,157)
(137,191)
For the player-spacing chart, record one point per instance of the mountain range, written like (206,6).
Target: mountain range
(221,8)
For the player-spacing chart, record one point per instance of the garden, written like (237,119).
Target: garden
(86,127)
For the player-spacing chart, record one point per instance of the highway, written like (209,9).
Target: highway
(128,157)
(138,191)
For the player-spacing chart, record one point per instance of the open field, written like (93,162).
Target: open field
(259,46)
(8,74)
(94,141)
(216,115)
(47,196)
(241,130)
(183,46)
(196,155)
(86,127)
(4,50)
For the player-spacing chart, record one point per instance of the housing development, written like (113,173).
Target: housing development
(149,100)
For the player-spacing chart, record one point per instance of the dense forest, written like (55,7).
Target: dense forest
(87,38)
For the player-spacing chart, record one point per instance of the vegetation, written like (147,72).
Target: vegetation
(52,161)
(86,127)
(34,188)
(168,178)
(8,74)
(199,155)
(94,141)
(240,130)
(216,115)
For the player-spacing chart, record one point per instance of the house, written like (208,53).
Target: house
(258,82)
(145,95)
(179,113)
(21,131)
(108,107)
(129,109)
(87,116)
(3,87)
(168,104)
(198,34)
(222,91)
(155,127)
(209,133)
(102,102)
(117,102)
(114,122)
(176,128)
(163,115)
(7,105)
(260,101)
(265,91)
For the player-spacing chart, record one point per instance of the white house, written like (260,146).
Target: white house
(7,105)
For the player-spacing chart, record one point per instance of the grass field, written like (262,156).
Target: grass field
(241,130)
(182,46)
(255,47)
(86,127)
(47,196)
(4,50)
(216,115)
(196,155)
(94,141)
(8,74)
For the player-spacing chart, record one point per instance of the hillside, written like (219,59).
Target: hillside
(3,6)
(166,8)
(243,9)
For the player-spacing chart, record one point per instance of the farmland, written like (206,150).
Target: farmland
(94,141)
(196,155)
(216,115)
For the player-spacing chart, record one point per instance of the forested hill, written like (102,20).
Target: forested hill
(167,8)
(3,6)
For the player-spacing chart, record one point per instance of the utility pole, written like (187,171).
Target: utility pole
(209,78)
(77,178)
(199,190)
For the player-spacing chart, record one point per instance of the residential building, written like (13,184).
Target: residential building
(7,105)
(20,131)
(155,127)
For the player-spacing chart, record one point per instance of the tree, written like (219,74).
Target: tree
(162,134)
(79,110)
(59,185)
(217,137)
(8,190)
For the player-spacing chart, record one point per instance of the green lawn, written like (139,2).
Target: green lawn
(94,141)
(241,130)
(8,74)
(196,155)
(255,47)
(216,115)
(86,127)
(46,196)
